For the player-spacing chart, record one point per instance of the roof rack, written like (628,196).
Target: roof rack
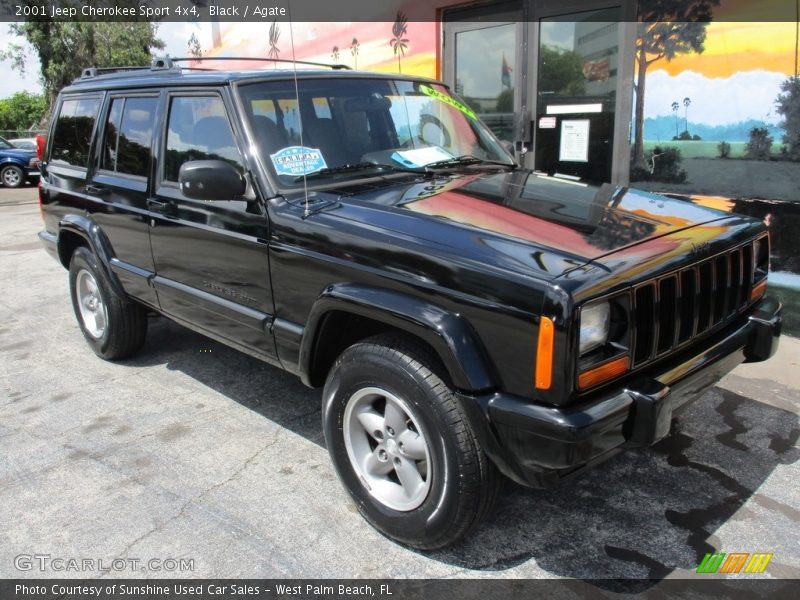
(169,64)
(335,67)
(158,64)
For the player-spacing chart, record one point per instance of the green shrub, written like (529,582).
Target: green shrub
(724,149)
(663,164)
(760,143)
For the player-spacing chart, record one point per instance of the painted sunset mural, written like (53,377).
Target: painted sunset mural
(408,47)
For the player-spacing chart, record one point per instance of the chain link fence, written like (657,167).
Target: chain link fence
(12,134)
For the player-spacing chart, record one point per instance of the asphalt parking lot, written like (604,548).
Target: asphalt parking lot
(195,451)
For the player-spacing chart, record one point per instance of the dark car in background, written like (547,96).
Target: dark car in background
(17,165)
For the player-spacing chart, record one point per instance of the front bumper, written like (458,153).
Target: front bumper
(538,445)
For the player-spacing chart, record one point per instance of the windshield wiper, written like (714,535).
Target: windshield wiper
(466,160)
(364,166)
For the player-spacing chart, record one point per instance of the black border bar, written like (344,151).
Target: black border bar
(267,11)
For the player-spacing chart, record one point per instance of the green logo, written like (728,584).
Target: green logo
(734,562)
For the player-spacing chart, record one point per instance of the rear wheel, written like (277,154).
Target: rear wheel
(114,326)
(403,446)
(12,176)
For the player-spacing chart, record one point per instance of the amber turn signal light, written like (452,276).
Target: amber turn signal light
(544,354)
(606,371)
(758,290)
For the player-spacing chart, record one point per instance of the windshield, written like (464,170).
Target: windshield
(372,124)
(4,144)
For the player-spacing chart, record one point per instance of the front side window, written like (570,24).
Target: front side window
(333,123)
(129,135)
(72,137)
(198,129)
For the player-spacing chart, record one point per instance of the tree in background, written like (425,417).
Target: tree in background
(561,72)
(274,36)
(667,28)
(675,107)
(399,42)
(354,46)
(65,49)
(335,54)
(505,101)
(788,106)
(686,103)
(22,111)
(759,145)
(193,45)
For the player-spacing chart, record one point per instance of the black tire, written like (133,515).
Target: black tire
(125,321)
(455,504)
(12,176)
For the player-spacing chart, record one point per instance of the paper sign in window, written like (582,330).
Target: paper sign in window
(574,141)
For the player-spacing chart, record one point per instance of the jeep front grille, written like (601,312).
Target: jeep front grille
(671,311)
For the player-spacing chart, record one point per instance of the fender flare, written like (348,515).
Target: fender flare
(449,334)
(90,231)
(7,160)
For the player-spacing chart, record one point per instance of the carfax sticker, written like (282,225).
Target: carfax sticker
(298,160)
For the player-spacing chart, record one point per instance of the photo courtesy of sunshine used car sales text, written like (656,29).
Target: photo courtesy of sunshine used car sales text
(206,590)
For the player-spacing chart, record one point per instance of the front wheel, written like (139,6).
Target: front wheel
(402,445)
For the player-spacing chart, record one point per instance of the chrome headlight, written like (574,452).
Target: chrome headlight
(595,322)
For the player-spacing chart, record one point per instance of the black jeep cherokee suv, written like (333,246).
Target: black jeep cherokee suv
(464,317)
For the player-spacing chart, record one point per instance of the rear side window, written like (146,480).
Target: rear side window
(198,129)
(73,132)
(129,135)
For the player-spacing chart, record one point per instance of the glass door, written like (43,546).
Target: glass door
(483,63)
(581,80)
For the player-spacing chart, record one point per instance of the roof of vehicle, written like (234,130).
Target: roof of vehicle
(176,76)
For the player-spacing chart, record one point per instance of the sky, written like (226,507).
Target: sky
(736,78)
(175,36)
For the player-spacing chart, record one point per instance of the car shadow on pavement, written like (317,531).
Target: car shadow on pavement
(641,515)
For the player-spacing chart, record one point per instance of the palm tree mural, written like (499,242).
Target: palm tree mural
(686,102)
(399,43)
(354,45)
(193,45)
(274,35)
(335,54)
(675,107)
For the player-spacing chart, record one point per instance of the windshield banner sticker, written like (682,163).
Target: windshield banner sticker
(298,160)
(429,91)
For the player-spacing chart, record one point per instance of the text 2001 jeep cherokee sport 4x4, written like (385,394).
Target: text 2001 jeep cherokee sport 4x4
(464,317)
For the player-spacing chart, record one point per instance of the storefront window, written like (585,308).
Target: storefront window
(576,93)
(484,74)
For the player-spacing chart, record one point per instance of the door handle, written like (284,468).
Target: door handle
(158,205)
(97,190)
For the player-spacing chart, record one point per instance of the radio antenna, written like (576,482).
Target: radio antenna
(306,212)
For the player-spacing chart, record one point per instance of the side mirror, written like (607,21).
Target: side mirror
(210,180)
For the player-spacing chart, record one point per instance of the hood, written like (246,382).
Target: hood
(571,223)
(18,153)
